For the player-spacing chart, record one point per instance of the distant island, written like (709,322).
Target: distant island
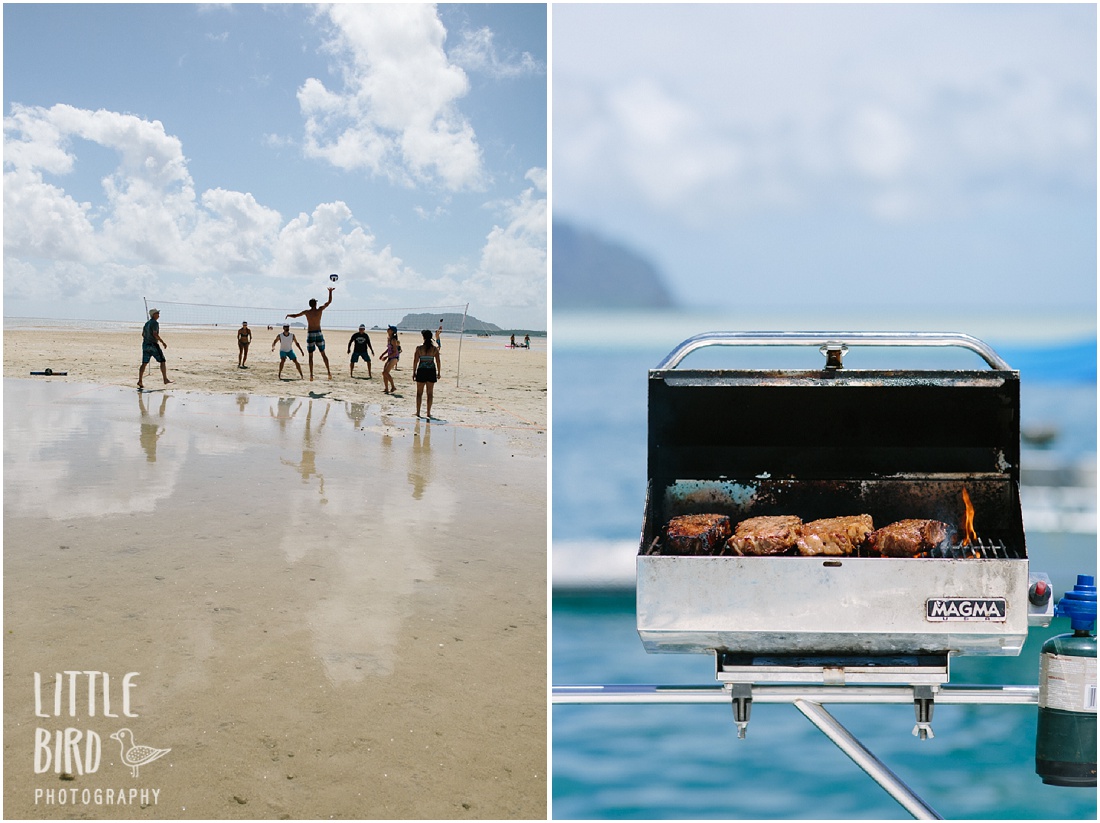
(591,272)
(453,322)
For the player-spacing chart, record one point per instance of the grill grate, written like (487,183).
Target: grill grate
(980,549)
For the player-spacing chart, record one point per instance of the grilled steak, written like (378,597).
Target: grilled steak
(766,535)
(908,538)
(835,535)
(697,534)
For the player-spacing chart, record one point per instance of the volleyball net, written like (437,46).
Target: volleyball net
(455,318)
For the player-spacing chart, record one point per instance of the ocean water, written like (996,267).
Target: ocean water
(685,762)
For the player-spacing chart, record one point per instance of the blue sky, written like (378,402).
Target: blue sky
(238,154)
(812,156)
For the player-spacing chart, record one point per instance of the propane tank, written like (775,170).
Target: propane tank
(1065,742)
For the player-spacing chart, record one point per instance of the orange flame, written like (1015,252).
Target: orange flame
(969,535)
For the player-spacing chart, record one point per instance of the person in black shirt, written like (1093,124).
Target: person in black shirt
(361,341)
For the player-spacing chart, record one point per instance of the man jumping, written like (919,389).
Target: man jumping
(314,338)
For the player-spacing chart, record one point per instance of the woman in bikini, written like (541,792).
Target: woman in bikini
(390,356)
(428,369)
(244,337)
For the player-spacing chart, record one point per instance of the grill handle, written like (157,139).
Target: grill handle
(821,339)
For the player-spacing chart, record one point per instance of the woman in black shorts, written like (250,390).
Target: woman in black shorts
(428,369)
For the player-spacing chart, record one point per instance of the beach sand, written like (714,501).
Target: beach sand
(333,609)
(497,386)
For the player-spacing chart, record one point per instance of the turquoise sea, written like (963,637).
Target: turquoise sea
(685,762)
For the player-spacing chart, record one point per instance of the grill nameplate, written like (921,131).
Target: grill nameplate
(966,609)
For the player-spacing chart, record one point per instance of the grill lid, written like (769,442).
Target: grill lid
(835,423)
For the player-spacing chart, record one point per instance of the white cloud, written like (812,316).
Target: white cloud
(41,221)
(512,269)
(669,148)
(151,225)
(396,114)
(235,233)
(278,141)
(895,111)
(149,196)
(331,240)
(430,214)
(477,52)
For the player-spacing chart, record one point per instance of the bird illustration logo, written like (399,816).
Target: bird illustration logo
(133,755)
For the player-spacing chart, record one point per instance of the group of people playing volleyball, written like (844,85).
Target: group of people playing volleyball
(427,366)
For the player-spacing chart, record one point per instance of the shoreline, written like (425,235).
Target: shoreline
(631,329)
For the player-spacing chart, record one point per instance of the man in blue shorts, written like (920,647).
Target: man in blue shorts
(314,338)
(150,347)
(287,341)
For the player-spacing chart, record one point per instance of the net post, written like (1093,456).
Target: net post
(145,300)
(461,334)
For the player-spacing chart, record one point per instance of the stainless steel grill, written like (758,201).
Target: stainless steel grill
(894,444)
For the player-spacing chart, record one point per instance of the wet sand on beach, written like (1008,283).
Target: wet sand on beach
(334,609)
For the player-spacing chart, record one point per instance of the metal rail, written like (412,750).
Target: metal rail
(826,338)
(808,700)
(863,758)
(720,694)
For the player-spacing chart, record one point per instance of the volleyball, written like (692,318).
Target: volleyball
(334,277)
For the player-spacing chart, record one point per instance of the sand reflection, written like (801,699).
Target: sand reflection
(307,466)
(72,464)
(368,541)
(152,427)
(310,594)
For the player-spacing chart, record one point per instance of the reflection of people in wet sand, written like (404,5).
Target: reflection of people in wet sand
(420,466)
(287,341)
(428,370)
(363,348)
(308,464)
(244,337)
(390,356)
(150,347)
(315,339)
(151,430)
(356,412)
(285,414)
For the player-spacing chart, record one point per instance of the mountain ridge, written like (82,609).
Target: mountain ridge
(591,271)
